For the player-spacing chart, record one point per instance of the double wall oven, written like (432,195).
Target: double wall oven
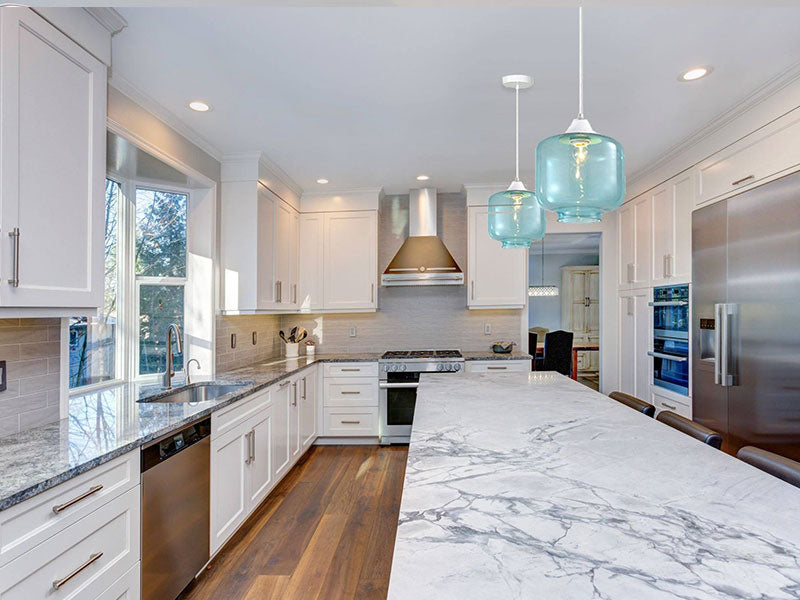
(671,338)
(399,379)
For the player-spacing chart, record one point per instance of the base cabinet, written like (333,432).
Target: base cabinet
(285,428)
(308,409)
(666,401)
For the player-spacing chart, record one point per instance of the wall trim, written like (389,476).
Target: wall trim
(763,92)
(108,18)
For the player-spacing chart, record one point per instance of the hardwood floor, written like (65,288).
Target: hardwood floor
(326,531)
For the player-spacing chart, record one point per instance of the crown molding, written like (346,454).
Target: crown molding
(125,87)
(344,192)
(108,18)
(769,88)
(280,174)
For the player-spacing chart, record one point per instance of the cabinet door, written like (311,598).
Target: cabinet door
(265,259)
(229,484)
(52,166)
(308,408)
(260,479)
(311,259)
(281,430)
(626,238)
(683,192)
(634,342)
(643,361)
(283,254)
(643,215)
(496,276)
(294,422)
(663,232)
(294,237)
(350,268)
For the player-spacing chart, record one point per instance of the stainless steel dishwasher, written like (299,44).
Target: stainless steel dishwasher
(175,510)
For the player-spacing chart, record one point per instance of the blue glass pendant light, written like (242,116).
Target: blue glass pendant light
(515,217)
(580,174)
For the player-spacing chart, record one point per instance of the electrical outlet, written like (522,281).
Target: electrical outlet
(487,329)
(352,331)
(233,340)
(255,338)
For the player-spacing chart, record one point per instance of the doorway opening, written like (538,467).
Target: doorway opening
(564,296)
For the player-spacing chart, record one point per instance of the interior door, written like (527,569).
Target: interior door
(709,287)
(764,286)
(52,166)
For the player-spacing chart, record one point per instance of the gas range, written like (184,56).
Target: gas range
(421,361)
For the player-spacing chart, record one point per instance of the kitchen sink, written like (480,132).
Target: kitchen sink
(197,392)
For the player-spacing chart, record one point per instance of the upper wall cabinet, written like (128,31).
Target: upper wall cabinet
(634,224)
(52,169)
(672,230)
(311,262)
(766,153)
(496,277)
(350,263)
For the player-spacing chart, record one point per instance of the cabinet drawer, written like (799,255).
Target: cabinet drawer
(29,523)
(763,153)
(354,369)
(350,421)
(234,414)
(350,392)
(498,366)
(670,404)
(84,559)
(127,587)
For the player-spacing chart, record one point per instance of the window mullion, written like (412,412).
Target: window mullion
(128,228)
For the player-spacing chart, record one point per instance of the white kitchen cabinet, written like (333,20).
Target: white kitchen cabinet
(350,261)
(665,401)
(286,249)
(52,167)
(633,342)
(634,230)
(308,408)
(498,366)
(260,459)
(285,425)
(768,152)
(673,202)
(496,276)
(311,260)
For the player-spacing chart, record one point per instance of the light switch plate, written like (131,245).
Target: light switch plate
(352,331)
(487,329)
(3,376)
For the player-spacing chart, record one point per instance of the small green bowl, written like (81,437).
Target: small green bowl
(502,347)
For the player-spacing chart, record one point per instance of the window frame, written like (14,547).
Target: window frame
(126,335)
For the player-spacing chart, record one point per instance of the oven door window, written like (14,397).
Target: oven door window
(671,374)
(400,406)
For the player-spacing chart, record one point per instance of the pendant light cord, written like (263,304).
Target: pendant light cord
(580,62)
(516,93)
(542,262)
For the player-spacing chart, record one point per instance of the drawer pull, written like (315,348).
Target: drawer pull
(670,406)
(497,368)
(345,393)
(285,383)
(58,583)
(743,179)
(350,422)
(92,490)
(350,369)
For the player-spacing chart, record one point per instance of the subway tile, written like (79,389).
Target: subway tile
(54,397)
(34,418)
(9,322)
(20,404)
(54,365)
(27,368)
(12,389)
(9,425)
(54,333)
(9,352)
(41,321)
(22,335)
(37,384)
(39,350)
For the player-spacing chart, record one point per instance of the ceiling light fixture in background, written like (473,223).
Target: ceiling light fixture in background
(543,290)
(322,180)
(694,73)
(422,178)
(199,106)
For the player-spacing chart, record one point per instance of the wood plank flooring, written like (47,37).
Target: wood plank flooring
(325,532)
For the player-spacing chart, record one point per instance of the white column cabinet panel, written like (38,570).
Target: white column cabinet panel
(626,240)
(634,343)
(350,262)
(310,282)
(308,408)
(496,277)
(52,166)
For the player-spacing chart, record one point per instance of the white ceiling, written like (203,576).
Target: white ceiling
(369,97)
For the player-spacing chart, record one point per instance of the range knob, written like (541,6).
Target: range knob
(385,368)
(448,367)
(440,367)
(456,367)
(393,368)
(402,367)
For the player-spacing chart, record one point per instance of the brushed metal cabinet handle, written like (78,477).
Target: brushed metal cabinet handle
(350,369)
(294,394)
(345,393)
(670,406)
(253,446)
(371,293)
(472,289)
(284,384)
(14,235)
(351,422)
(294,293)
(497,368)
(743,179)
(58,583)
(305,383)
(92,490)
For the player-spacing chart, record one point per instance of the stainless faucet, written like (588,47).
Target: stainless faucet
(186,368)
(167,381)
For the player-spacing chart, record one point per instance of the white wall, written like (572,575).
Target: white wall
(545,311)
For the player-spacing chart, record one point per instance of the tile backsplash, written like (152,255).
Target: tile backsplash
(31,349)
(267,345)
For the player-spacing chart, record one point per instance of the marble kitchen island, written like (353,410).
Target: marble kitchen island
(534,486)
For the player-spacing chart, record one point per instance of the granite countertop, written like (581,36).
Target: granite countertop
(489,355)
(533,486)
(108,423)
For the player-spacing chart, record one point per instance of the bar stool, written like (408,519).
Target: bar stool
(689,427)
(632,401)
(774,464)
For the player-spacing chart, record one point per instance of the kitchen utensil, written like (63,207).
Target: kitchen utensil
(293,335)
(283,337)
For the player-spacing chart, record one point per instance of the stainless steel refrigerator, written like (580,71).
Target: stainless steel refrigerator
(746,317)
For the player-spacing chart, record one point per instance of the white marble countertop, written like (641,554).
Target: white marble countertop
(534,486)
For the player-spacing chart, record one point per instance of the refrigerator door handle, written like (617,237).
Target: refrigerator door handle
(724,316)
(717,343)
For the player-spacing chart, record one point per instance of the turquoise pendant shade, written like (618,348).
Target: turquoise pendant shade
(515,218)
(580,175)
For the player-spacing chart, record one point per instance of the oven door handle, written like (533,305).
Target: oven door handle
(668,356)
(384,385)
(669,303)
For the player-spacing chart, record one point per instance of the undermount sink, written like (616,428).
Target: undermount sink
(197,392)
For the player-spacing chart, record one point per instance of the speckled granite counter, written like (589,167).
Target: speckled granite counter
(105,424)
(489,355)
(533,486)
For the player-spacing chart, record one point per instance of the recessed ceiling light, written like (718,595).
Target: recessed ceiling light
(422,178)
(199,106)
(323,180)
(694,73)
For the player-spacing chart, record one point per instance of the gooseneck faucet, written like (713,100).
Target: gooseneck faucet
(168,373)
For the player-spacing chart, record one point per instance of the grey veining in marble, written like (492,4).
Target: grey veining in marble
(489,355)
(105,424)
(533,486)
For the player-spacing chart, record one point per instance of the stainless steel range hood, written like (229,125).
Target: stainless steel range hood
(423,258)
